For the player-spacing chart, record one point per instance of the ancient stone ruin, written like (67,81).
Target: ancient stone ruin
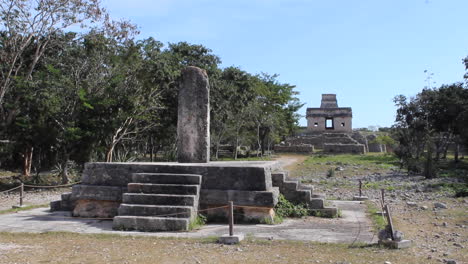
(166,196)
(329,128)
(329,117)
(193,123)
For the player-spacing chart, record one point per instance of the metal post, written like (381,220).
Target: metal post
(360,188)
(21,194)
(231,218)
(389,221)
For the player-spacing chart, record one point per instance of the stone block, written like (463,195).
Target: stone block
(96,209)
(249,198)
(231,240)
(278,178)
(396,244)
(159,199)
(360,198)
(344,148)
(243,175)
(305,148)
(56,206)
(193,124)
(94,192)
(316,203)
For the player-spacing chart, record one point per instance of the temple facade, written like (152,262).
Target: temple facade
(329,117)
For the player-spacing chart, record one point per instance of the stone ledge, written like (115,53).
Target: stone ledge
(248,198)
(98,192)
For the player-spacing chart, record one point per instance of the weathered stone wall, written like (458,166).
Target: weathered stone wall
(305,148)
(373,146)
(344,148)
(342,119)
(341,116)
(245,183)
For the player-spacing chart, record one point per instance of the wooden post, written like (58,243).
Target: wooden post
(231,218)
(382,192)
(360,188)
(21,194)
(389,221)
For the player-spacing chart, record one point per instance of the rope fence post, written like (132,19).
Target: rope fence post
(230,238)
(389,221)
(231,218)
(360,188)
(21,195)
(382,192)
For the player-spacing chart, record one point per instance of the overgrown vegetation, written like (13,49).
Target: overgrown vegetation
(67,98)
(430,123)
(285,208)
(378,220)
(197,222)
(323,165)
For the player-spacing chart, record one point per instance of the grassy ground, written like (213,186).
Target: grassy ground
(74,248)
(355,165)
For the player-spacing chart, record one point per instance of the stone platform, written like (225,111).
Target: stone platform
(106,186)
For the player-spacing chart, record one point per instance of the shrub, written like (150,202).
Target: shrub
(285,208)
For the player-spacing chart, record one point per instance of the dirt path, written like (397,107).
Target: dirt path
(291,161)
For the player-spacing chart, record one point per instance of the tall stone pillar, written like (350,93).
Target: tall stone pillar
(193,124)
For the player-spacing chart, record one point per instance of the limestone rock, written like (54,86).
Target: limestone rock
(193,124)
(440,205)
(95,208)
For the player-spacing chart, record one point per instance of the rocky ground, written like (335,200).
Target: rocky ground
(31,197)
(424,209)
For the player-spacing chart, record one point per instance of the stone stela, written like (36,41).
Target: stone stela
(193,124)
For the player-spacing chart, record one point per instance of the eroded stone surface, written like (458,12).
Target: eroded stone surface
(94,208)
(193,125)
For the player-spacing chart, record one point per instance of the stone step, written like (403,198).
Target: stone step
(166,178)
(155,210)
(318,195)
(316,203)
(159,199)
(298,196)
(150,224)
(163,188)
(305,187)
(278,178)
(289,185)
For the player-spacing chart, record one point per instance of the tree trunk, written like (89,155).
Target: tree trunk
(429,169)
(151,148)
(64,172)
(457,151)
(27,161)
(110,153)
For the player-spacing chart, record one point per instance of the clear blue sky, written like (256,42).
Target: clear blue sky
(365,51)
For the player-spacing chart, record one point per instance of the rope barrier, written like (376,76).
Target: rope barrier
(41,186)
(51,186)
(17,187)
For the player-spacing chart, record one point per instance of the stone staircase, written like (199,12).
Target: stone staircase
(159,202)
(296,192)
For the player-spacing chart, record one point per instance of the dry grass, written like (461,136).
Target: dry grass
(74,248)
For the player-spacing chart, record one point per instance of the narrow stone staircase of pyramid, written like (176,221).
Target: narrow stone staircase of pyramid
(159,202)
